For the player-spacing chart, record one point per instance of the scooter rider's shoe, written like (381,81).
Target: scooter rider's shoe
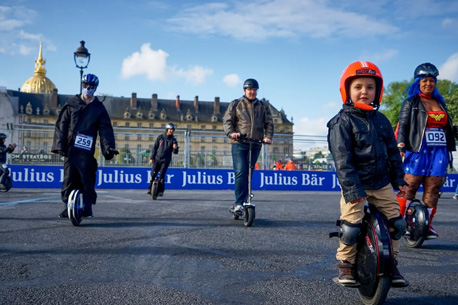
(160,194)
(148,192)
(64,214)
(238,209)
(346,273)
(87,211)
(397,280)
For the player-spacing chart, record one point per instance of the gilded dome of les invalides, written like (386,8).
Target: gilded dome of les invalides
(39,83)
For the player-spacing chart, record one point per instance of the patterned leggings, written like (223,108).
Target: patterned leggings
(431,187)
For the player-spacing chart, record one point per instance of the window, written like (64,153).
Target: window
(151,137)
(127,124)
(202,127)
(115,124)
(151,125)
(139,137)
(202,139)
(139,125)
(214,127)
(126,137)
(213,139)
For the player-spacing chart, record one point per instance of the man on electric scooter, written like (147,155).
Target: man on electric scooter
(79,122)
(161,155)
(368,164)
(3,151)
(250,116)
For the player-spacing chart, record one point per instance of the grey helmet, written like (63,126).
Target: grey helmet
(3,136)
(251,83)
(170,126)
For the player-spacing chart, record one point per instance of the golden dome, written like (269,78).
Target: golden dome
(39,83)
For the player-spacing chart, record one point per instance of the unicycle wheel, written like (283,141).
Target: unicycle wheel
(379,294)
(155,190)
(249,216)
(75,207)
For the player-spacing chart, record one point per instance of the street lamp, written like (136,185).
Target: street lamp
(82,58)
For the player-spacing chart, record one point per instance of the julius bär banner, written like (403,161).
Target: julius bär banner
(31,176)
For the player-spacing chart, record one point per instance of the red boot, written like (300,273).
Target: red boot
(432,234)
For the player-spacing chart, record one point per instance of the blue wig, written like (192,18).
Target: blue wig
(414,89)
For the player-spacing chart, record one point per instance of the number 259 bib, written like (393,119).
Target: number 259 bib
(84,142)
(435,137)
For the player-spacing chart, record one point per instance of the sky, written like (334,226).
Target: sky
(296,49)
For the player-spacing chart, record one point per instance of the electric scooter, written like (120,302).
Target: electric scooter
(374,258)
(5,187)
(417,219)
(249,209)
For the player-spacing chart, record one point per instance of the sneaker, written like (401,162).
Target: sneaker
(346,273)
(238,209)
(455,197)
(148,192)
(432,234)
(397,280)
(64,214)
(160,194)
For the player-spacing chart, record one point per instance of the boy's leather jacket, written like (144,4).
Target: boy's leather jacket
(364,150)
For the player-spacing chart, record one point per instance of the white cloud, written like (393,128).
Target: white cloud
(382,57)
(147,62)
(310,132)
(449,70)
(232,80)
(153,65)
(277,18)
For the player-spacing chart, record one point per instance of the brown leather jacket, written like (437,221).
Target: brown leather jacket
(251,118)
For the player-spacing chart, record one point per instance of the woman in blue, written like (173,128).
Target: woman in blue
(425,139)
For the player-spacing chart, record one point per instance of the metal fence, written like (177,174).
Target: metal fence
(198,149)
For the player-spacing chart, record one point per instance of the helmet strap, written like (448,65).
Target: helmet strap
(363,106)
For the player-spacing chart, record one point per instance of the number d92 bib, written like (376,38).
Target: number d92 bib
(435,137)
(84,142)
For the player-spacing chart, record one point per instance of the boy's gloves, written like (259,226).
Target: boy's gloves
(111,152)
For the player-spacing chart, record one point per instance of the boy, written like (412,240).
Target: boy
(367,163)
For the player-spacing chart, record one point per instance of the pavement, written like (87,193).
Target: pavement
(185,248)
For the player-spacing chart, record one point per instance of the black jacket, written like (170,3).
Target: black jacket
(364,150)
(163,148)
(412,124)
(77,117)
(3,151)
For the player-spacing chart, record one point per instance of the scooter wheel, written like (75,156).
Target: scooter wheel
(6,187)
(249,216)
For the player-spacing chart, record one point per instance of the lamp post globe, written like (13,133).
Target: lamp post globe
(82,58)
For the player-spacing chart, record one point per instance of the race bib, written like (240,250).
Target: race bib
(435,137)
(84,142)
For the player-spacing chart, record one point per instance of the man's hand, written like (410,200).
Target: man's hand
(175,146)
(62,153)
(235,135)
(402,191)
(267,141)
(111,152)
(151,161)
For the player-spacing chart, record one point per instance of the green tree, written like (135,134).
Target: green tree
(318,155)
(395,93)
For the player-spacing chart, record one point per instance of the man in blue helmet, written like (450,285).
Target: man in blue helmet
(251,117)
(79,122)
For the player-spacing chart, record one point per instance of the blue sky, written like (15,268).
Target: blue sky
(296,49)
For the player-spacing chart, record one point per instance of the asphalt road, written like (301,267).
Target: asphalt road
(185,248)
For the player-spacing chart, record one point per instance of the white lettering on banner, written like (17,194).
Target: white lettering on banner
(230,178)
(62,175)
(277,179)
(449,183)
(335,182)
(118,177)
(30,175)
(312,179)
(201,178)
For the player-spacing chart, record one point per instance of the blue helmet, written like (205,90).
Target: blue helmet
(90,79)
(425,70)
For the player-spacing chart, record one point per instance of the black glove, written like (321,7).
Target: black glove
(111,152)
(62,153)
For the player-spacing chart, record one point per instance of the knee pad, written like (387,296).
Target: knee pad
(398,224)
(349,232)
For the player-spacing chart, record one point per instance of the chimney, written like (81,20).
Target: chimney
(216,107)
(196,104)
(133,101)
(54,99)
(154,102)
(178,103)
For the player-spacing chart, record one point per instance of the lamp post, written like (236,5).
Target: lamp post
(82,58)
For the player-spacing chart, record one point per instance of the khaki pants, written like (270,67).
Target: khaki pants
(384,200)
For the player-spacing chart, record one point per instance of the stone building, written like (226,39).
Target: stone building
(136,121)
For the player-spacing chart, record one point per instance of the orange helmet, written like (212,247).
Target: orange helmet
(358,69)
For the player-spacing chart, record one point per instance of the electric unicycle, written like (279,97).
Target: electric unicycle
(417,219)
(7,184)
(374,258)
(75,207)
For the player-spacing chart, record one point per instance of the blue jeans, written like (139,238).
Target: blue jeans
(240,163)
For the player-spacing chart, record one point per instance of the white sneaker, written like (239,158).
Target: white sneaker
(239,209)
(455,196)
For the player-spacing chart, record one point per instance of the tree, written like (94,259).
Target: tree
(395,93)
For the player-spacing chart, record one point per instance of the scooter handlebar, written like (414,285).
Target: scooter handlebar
(243,138)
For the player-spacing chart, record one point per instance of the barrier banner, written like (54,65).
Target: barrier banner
(41,176)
